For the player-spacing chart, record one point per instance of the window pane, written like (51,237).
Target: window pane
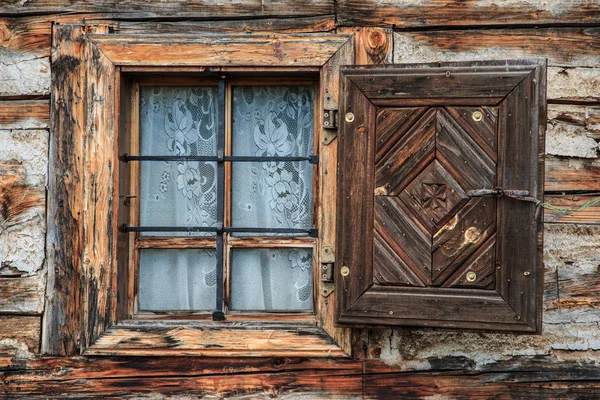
(175,280)
(272,121)
(178,121)
(271,279)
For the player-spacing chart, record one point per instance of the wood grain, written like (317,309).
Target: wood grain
(21,329)
(571,174)
(23,295)
(438,13)
(174,9)
(589,216)
(232,50)
(13,113)
(209,340)
(65,187)
(563,47)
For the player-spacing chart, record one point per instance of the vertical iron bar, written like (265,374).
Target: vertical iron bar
(218,314)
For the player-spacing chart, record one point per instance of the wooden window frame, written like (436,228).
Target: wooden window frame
(84,313)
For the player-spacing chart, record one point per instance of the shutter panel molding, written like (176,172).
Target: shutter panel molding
(418,248)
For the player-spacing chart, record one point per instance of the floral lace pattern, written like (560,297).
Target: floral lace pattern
(271,279)
(273,121)
(178,121)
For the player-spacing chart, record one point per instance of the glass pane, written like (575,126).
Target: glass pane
(272,121)
(177,280)
(271,279)
(178,121)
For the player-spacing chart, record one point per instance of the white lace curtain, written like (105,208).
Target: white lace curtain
(267,120)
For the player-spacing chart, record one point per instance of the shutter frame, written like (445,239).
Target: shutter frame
(518,90)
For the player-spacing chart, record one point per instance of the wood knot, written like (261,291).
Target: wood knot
(376,45)
(472,234)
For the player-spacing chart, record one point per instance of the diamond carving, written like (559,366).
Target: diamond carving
(433,196)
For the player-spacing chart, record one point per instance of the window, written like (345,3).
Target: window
(108,294)
(245,222)
(449,152)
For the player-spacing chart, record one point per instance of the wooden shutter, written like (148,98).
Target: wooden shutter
(414,247)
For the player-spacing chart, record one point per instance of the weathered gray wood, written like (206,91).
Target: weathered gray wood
(23,295)
(435,13)
(64,307)
(174,9)
(561,46)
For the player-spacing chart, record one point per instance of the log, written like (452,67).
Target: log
(443,13)
(32,114)
(589,216)
(175,9)
(22,295)
(572,174)
(562,46)
(573,131)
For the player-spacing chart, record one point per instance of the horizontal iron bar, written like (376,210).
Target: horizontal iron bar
(312,159)
(313,232)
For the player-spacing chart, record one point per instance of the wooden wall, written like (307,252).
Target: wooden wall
(398,363)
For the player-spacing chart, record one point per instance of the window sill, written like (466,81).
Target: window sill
(215,339)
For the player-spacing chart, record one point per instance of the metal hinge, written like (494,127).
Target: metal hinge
(330,119)
(326,270)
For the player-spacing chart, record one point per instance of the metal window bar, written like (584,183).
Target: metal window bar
(312,159)
(220,159)
(312,232)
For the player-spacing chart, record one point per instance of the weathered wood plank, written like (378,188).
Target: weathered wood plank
(20,329)
(174,9)
(64,248)
(22,295)
(435,13)
(299,50)
(32,34)
(204,340)
(572,174)
(325,23)
(32,114)
(327,209)
(562,46)
(589,215)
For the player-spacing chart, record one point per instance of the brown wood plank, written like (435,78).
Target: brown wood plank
(572,174)
(561,46)
(175,9)
(461,155)
(388,266)
(435,81)
(355,187)
(444,307)
(233,50)
(518,247)
(485,131)
(438,13)
(65,194)
(482,263)
(461,237)
(100,194)
(14,114)
(405,235)
(392,124)
(258,340)
(327,207)
(408,157)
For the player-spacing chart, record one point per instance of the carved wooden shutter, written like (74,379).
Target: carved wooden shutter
(416,145)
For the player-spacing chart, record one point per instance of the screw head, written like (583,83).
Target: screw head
(349,117)
(477,116)
(345,271)
(471,276)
